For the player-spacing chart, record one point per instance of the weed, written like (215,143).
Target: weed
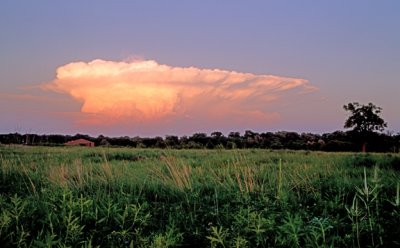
(119,197)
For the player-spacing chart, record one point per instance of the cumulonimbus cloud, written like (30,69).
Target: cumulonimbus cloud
(143,91)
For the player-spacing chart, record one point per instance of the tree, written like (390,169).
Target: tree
(364,120)
(216,134)
(172,141)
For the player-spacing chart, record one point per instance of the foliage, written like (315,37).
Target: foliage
(336,141)
(364,118)
(120,197)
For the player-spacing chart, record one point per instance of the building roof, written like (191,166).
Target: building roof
(80,142)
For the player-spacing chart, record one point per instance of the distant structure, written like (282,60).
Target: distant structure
(80,142)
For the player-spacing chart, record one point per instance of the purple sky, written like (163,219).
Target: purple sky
(209,65)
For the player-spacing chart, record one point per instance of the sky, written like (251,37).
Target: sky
(156,68)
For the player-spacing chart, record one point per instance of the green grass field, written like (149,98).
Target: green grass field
(120,197)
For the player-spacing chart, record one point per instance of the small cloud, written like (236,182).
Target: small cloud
(144,91)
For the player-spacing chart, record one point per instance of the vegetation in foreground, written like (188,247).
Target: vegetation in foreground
(119,197)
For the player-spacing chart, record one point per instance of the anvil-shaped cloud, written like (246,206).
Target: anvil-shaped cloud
(146,91)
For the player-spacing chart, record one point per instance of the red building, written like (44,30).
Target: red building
(80,142)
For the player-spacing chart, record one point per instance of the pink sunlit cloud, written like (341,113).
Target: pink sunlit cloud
(141,92)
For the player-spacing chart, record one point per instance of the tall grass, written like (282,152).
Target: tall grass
(116,197)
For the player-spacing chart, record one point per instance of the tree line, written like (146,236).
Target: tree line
(336,141)
(364,121)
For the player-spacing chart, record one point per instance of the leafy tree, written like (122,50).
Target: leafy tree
(172,141)
(216,134)
(364,119)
